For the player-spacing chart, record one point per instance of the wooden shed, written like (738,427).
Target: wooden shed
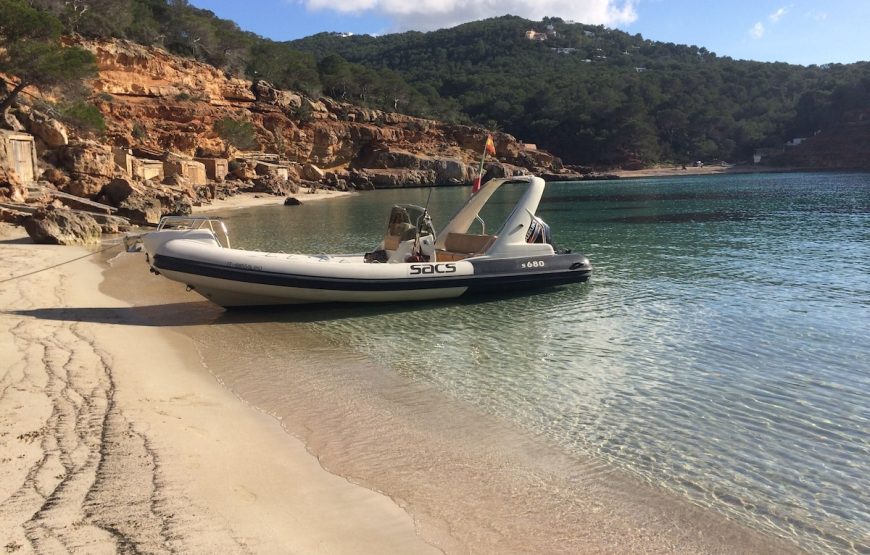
(189,169)
(216,169)
(18,153)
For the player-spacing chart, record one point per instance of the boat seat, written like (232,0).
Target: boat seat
(445,256)
(398,233)
(467,243)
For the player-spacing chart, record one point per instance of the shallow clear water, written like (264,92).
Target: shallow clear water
(720,350)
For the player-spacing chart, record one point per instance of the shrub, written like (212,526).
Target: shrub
(239,133)
(139,132)
(84,116)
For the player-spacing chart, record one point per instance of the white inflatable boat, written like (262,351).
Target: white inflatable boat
(411,263)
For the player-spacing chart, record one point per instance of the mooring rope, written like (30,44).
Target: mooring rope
(111,246)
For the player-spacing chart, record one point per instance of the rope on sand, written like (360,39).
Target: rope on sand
(110,246)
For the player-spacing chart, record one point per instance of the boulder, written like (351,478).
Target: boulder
(141,209)
(83,185)
(116,190)
(11,188)
(243,169)
(396,178)
(450,171)
(87,158)
(56,177)
(50,131)
(9,121)
(336,180)
(177,180)
(272,185)
(181,206)
(312,172)
(62,226)
(497,169)
(292,201)
(285,100)
(316,108)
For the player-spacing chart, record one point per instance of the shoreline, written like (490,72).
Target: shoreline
(493,488)
(115,436)
(691,171)
(251,200)
(230,478)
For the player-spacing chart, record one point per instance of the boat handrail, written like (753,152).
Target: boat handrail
(197,222)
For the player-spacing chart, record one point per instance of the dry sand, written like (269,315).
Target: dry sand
(247,200)
(113,437)
(677,171)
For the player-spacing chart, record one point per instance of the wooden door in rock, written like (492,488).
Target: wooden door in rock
(22,160)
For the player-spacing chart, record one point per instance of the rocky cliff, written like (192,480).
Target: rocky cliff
(153,99)
(162,151)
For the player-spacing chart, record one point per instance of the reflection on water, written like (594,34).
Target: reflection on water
(682,217)
(719,350)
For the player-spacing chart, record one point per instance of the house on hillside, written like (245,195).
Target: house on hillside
(762,153)
(534,35)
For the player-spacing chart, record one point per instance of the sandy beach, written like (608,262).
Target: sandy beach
(249,200)
(680,171)
(115,438)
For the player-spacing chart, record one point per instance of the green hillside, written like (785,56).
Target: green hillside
(588,94)
(600,96)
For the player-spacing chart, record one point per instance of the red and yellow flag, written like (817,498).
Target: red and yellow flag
(490,146)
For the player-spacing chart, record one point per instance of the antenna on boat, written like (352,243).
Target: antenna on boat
(428,198)
(424,221)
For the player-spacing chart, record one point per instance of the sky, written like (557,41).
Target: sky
(794,31)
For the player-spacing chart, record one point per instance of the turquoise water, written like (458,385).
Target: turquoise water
(720,351)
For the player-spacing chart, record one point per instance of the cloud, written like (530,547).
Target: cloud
(757,30)
(434,14)
(777,15)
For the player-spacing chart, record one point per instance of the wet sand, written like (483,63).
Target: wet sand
(115,436)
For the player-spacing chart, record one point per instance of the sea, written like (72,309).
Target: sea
(717,362)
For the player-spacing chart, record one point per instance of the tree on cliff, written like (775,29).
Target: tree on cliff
(30,50)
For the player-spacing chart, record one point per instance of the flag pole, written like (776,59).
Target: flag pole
(479,182)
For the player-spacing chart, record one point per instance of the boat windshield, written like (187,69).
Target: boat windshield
(406,219)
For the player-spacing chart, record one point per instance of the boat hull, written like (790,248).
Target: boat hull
(241,278)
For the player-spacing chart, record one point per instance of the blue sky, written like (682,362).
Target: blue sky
(797,31)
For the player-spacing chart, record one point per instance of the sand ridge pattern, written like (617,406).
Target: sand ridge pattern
(75,473)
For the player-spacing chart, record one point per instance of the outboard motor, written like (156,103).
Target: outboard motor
(539,232)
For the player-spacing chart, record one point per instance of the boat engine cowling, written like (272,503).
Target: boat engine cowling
(539,232)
